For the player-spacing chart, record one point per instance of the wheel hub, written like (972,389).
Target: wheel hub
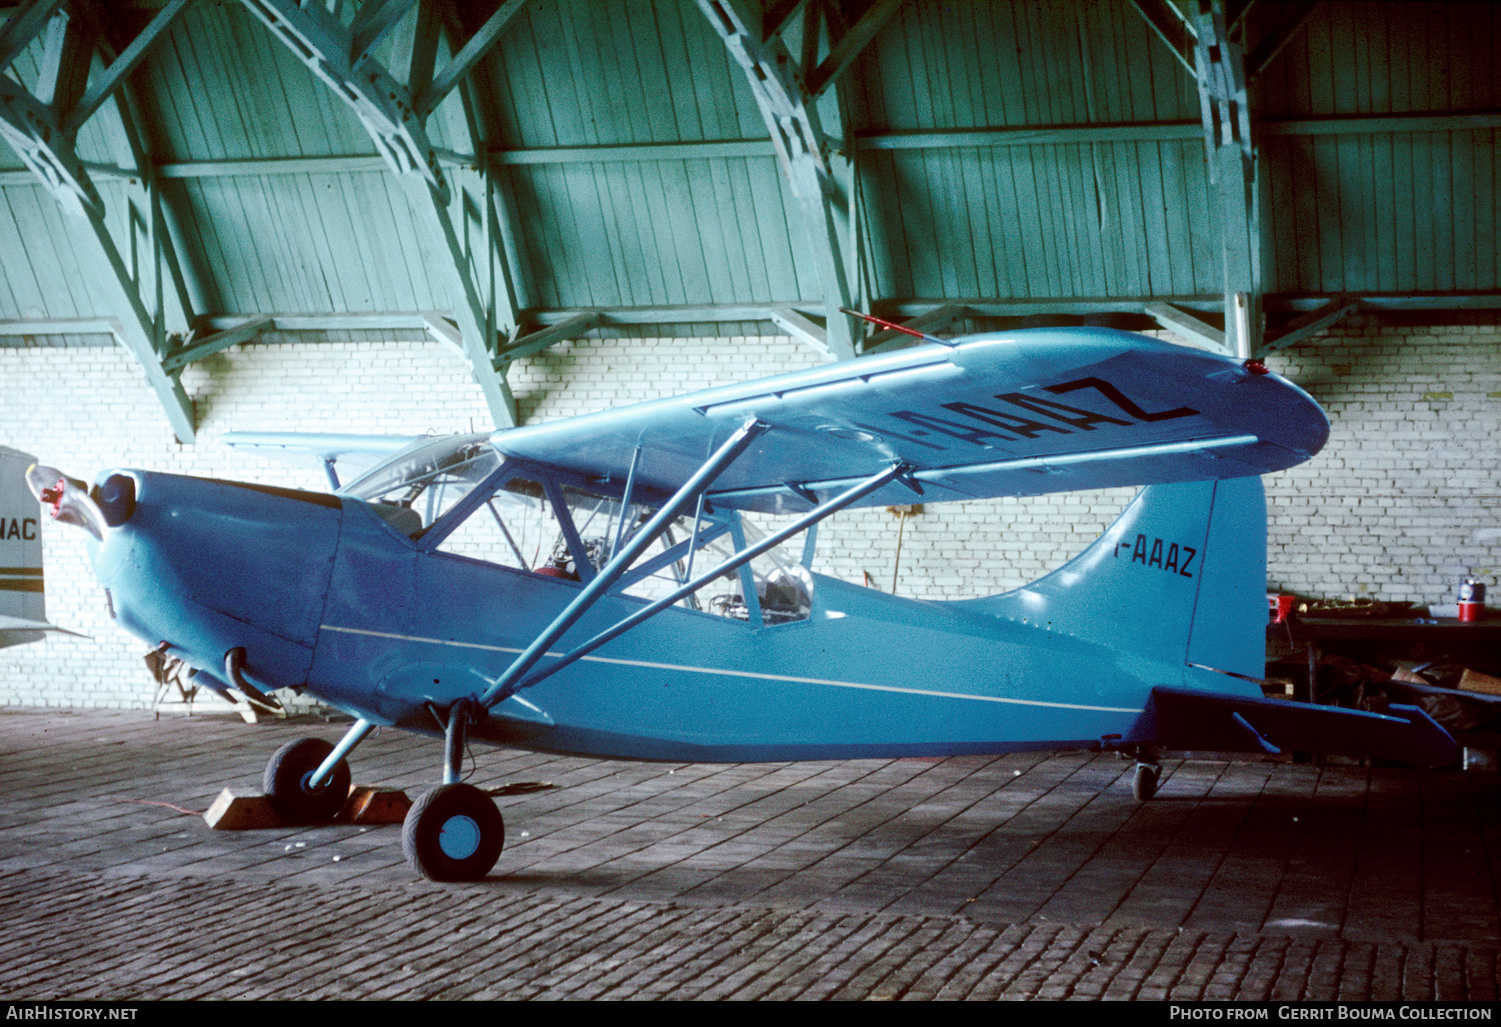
(459,837)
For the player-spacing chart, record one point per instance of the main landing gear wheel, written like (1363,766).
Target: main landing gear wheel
(286,782)
(453,833)
(1144,782)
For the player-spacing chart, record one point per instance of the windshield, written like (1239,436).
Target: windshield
(423,481)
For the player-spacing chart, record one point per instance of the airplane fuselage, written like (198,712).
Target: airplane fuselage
(325,594)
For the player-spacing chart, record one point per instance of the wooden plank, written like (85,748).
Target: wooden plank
(537,341)
(39,221)
(203,347)
(21,273)
(469,55)
(799,327)
(1307,325)
(1187,325)
(757,280)
(278,249)
(736,285)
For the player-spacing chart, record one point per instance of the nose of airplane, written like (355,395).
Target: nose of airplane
(208,566)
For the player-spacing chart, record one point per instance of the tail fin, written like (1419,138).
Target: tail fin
(1180,577)
(23,610)
(1178,582)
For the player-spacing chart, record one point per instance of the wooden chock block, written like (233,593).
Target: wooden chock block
(374,806)
(1474,681)
(231,812)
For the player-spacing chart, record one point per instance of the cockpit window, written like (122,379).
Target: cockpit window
(517,526)
(424,481)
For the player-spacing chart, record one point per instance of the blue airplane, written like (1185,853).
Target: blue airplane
(594,586)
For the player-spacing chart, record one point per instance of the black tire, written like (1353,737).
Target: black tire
(1144,782)
(453,833)
(285,782)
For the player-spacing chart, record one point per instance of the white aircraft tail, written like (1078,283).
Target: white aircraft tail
(23,603)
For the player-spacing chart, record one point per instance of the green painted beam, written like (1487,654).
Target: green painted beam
(372,21)
(24,26)
(1181,322)
(792,118)
(1355,124)
(1311,323)
(468,56)
(122,66)
(1167,21)
(799,326)
(779,15)
(1233,167)
(456,274)
(395,124)
(197,349)
(933,321)
(138,333)
(537,341)
(31,127)
(59,326)
(383,105)
(418,322)
(850,44)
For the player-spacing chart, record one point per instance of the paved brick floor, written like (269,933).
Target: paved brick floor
(1033,875)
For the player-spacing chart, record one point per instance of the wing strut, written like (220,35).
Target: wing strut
(741,558)
(621,562)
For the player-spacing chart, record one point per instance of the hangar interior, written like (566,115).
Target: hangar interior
(403,216)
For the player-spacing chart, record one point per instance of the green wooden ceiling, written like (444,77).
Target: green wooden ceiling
(185,175)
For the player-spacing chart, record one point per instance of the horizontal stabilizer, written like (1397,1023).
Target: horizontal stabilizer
(1197,720)
(19,630)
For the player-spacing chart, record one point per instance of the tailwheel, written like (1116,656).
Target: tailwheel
(1144,782)
(286,782)
(453,833)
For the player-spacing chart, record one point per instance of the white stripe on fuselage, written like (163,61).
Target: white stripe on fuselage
(743,673)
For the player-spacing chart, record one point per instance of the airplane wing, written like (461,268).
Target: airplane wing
(1006,414)
(352,455)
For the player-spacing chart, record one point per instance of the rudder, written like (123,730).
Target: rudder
(1179,577)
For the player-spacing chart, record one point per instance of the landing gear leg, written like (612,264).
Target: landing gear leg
(454,832)
(307,780)
(287,782)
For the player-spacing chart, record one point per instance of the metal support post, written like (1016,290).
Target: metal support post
(621,562)
(455,734)
(353,737)
(735,562)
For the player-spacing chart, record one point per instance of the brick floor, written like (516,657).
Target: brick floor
(1023,876)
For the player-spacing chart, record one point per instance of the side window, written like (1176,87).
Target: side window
(516,528)
(783,587)
(419,486)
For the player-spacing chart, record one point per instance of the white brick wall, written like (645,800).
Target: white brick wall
(1399,505)
(1404,499)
